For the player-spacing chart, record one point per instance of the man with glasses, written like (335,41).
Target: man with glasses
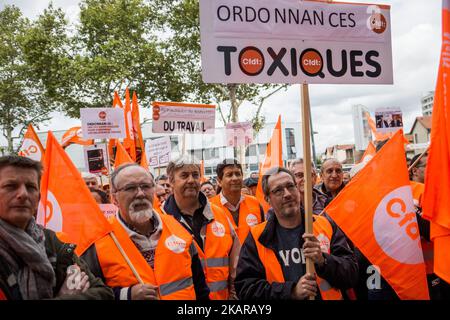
(320,200)
(332,176)
(272,262)
(207,223)
(162,253)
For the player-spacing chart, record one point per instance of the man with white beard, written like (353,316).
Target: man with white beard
(161,251)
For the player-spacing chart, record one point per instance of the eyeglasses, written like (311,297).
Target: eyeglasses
(133,188)
(279,191)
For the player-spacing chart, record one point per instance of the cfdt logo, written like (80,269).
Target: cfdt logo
(102,115)
(376,22)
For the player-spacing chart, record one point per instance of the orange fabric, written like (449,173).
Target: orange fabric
(273,158)
(122,156)
(128,141)
(74,135)
(137,132)
(69,205)
(322,230)
(31,145)
(202,171)
(117,103)
(376,211)
(217,245)
(168,265)
(371,150)
(427,246)
(249,215)
(436,204)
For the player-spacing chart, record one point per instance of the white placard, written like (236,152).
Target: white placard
(95,159)
(109,210)
(292,41)
(103,123)
(239,134)
(388,119)
(183,118)
(158,151)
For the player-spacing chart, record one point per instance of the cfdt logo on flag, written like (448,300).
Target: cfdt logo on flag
(51,216)
(30,150)
(395,227)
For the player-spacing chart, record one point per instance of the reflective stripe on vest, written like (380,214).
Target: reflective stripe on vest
(248,208)
(215,256)
(172,265)
(171,287)
(218,286)
(274,272)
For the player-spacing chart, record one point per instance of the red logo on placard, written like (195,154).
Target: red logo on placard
(102,115)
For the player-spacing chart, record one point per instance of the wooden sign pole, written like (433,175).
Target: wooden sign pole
(306,136)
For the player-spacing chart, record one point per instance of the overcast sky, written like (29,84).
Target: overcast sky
(416,42)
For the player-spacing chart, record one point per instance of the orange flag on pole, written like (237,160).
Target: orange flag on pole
(435,204)
(122,156)
(376,211)
(117,103)
(370,151)
(75,135)
(137,132)
(31,145)
(273,158)
(128,141)
(69,206)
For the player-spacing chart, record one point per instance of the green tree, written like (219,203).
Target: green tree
(24,97)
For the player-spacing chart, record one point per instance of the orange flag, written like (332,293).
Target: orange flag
(31,145)
(370,151)
(117,103)
(273,158)
(137,132)
(435,204)
(202,171)
(74,135)
(128,142)
(69,206)
(122,156)
(376,211)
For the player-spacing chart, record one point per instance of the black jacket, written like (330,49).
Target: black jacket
(341,270)
(65,256)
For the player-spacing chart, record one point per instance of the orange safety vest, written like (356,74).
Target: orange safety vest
(172,267)
(427,246)
(323,232)
(249,215)
(215,256)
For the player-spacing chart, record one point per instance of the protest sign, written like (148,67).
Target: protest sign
(102,123)
(174,117)
(388,119)
(95,159)
(109,210)
(239,134)
(291,41)
(158,151)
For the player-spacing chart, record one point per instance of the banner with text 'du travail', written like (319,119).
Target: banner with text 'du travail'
(291,41)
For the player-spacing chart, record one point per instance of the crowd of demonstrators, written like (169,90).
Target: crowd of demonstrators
(187,240)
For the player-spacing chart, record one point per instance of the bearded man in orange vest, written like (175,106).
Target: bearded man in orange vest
(272,262)
(209,225)
(163,253)
(244,211)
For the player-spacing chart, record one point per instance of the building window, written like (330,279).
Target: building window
(251,151)
(262,149)
(208,170)
(290,143)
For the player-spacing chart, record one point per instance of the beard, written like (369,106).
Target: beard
(140,216)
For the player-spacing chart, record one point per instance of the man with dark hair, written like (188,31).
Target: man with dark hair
(272,263)
(251,184)
(243,210)
(163,180)
(163,252)
(208,189)
(34,263)
(332,177)
(207,223)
